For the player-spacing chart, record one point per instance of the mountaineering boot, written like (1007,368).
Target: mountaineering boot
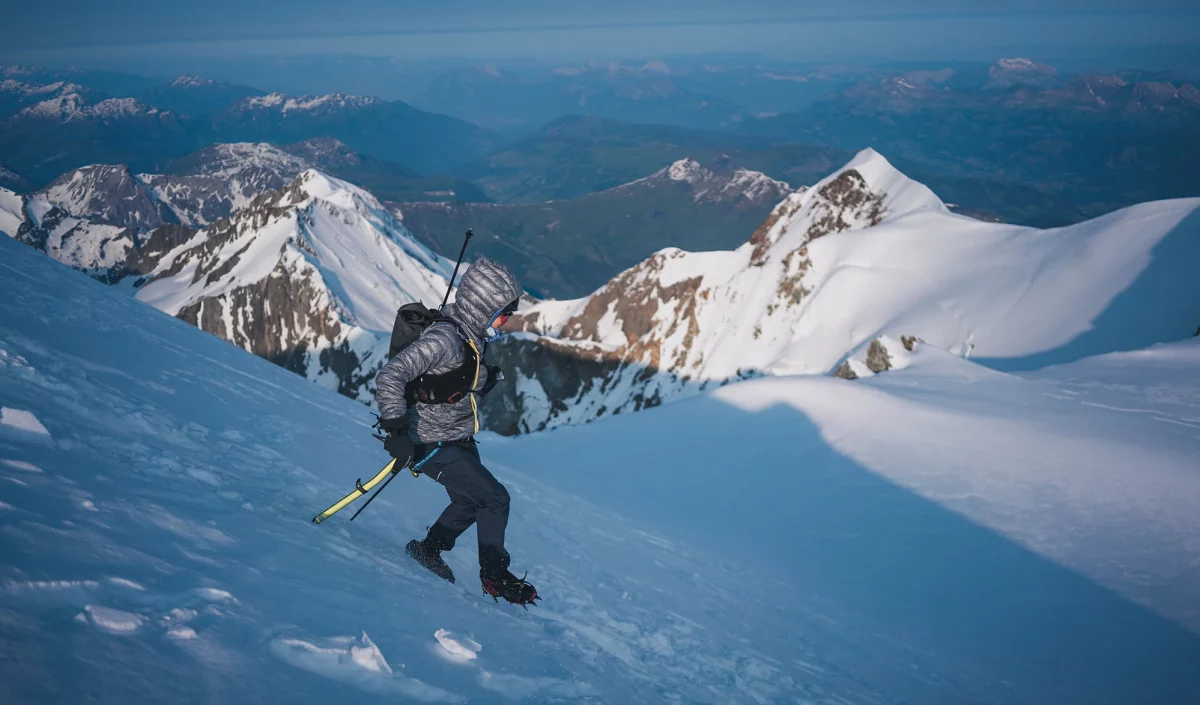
(429,557)
(505,584)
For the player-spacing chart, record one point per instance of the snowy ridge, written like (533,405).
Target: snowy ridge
(12,212)
(29,90)
(69,107)
(865,252)
(302,276)
(718,182)
(308,103)
(249,243)
(91,218)
(222,179)
(190,81)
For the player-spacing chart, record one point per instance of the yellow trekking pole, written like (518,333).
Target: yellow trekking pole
(360,489)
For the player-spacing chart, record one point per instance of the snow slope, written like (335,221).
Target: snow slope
(939,534)
(12,212)
(869,252)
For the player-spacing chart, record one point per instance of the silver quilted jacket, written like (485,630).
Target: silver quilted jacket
(485,289)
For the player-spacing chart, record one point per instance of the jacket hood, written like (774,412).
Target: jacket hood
(485,288)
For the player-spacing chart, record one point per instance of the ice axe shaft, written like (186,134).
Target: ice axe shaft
(454,276)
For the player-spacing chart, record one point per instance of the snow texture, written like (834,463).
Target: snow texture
(943,533)
(21,420)
(12,212)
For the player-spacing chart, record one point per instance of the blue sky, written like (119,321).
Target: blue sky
(802,29)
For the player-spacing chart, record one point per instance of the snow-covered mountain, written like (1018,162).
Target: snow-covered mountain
(571,246)
(76,107)
(11,180)
(16,95)
(195,95)
(945,534)
(279,103)
(223,178)
(306,272)
(1007,73)
(718,182)
(91,218)
(390,130)
(308,276)
(864,253)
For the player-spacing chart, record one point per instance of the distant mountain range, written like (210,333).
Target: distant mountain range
(576,155)
(1016,141)
(570,247)
(193,95)
(1095,142)
(49,128)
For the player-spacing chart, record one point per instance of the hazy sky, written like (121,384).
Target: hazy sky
(91,29)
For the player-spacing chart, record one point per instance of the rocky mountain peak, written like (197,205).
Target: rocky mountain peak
(860,194)
(720,181)
(190,81)
(310,103)
(1006,73)
(106,194)
(70,106)
(679,321)
(62,108)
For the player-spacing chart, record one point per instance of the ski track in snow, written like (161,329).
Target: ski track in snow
(183,564)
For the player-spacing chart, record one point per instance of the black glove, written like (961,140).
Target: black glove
(398,424)
(397,443)
(399,447)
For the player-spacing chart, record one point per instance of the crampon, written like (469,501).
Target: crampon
(511,588)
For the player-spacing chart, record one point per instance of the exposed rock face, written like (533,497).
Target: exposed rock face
(720,181)
(107,195)
(223,178)
(680,322)
(844,202)
(307,275)
(878,359)
(261,279)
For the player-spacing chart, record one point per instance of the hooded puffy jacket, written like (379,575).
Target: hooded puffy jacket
(485,289)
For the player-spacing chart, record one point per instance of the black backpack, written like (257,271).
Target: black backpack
(412,320)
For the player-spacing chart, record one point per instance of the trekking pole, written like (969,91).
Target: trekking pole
(462,252)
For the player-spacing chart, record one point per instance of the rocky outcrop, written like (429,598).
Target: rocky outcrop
(679,322)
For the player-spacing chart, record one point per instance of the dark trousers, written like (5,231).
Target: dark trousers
(476,497)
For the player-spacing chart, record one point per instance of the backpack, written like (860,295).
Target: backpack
(412,320)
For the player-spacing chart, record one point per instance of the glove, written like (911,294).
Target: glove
(397,424)
(399,447)
(397,443)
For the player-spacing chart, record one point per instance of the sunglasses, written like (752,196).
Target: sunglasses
(505,314)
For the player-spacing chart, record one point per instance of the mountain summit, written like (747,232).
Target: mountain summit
(866,252)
